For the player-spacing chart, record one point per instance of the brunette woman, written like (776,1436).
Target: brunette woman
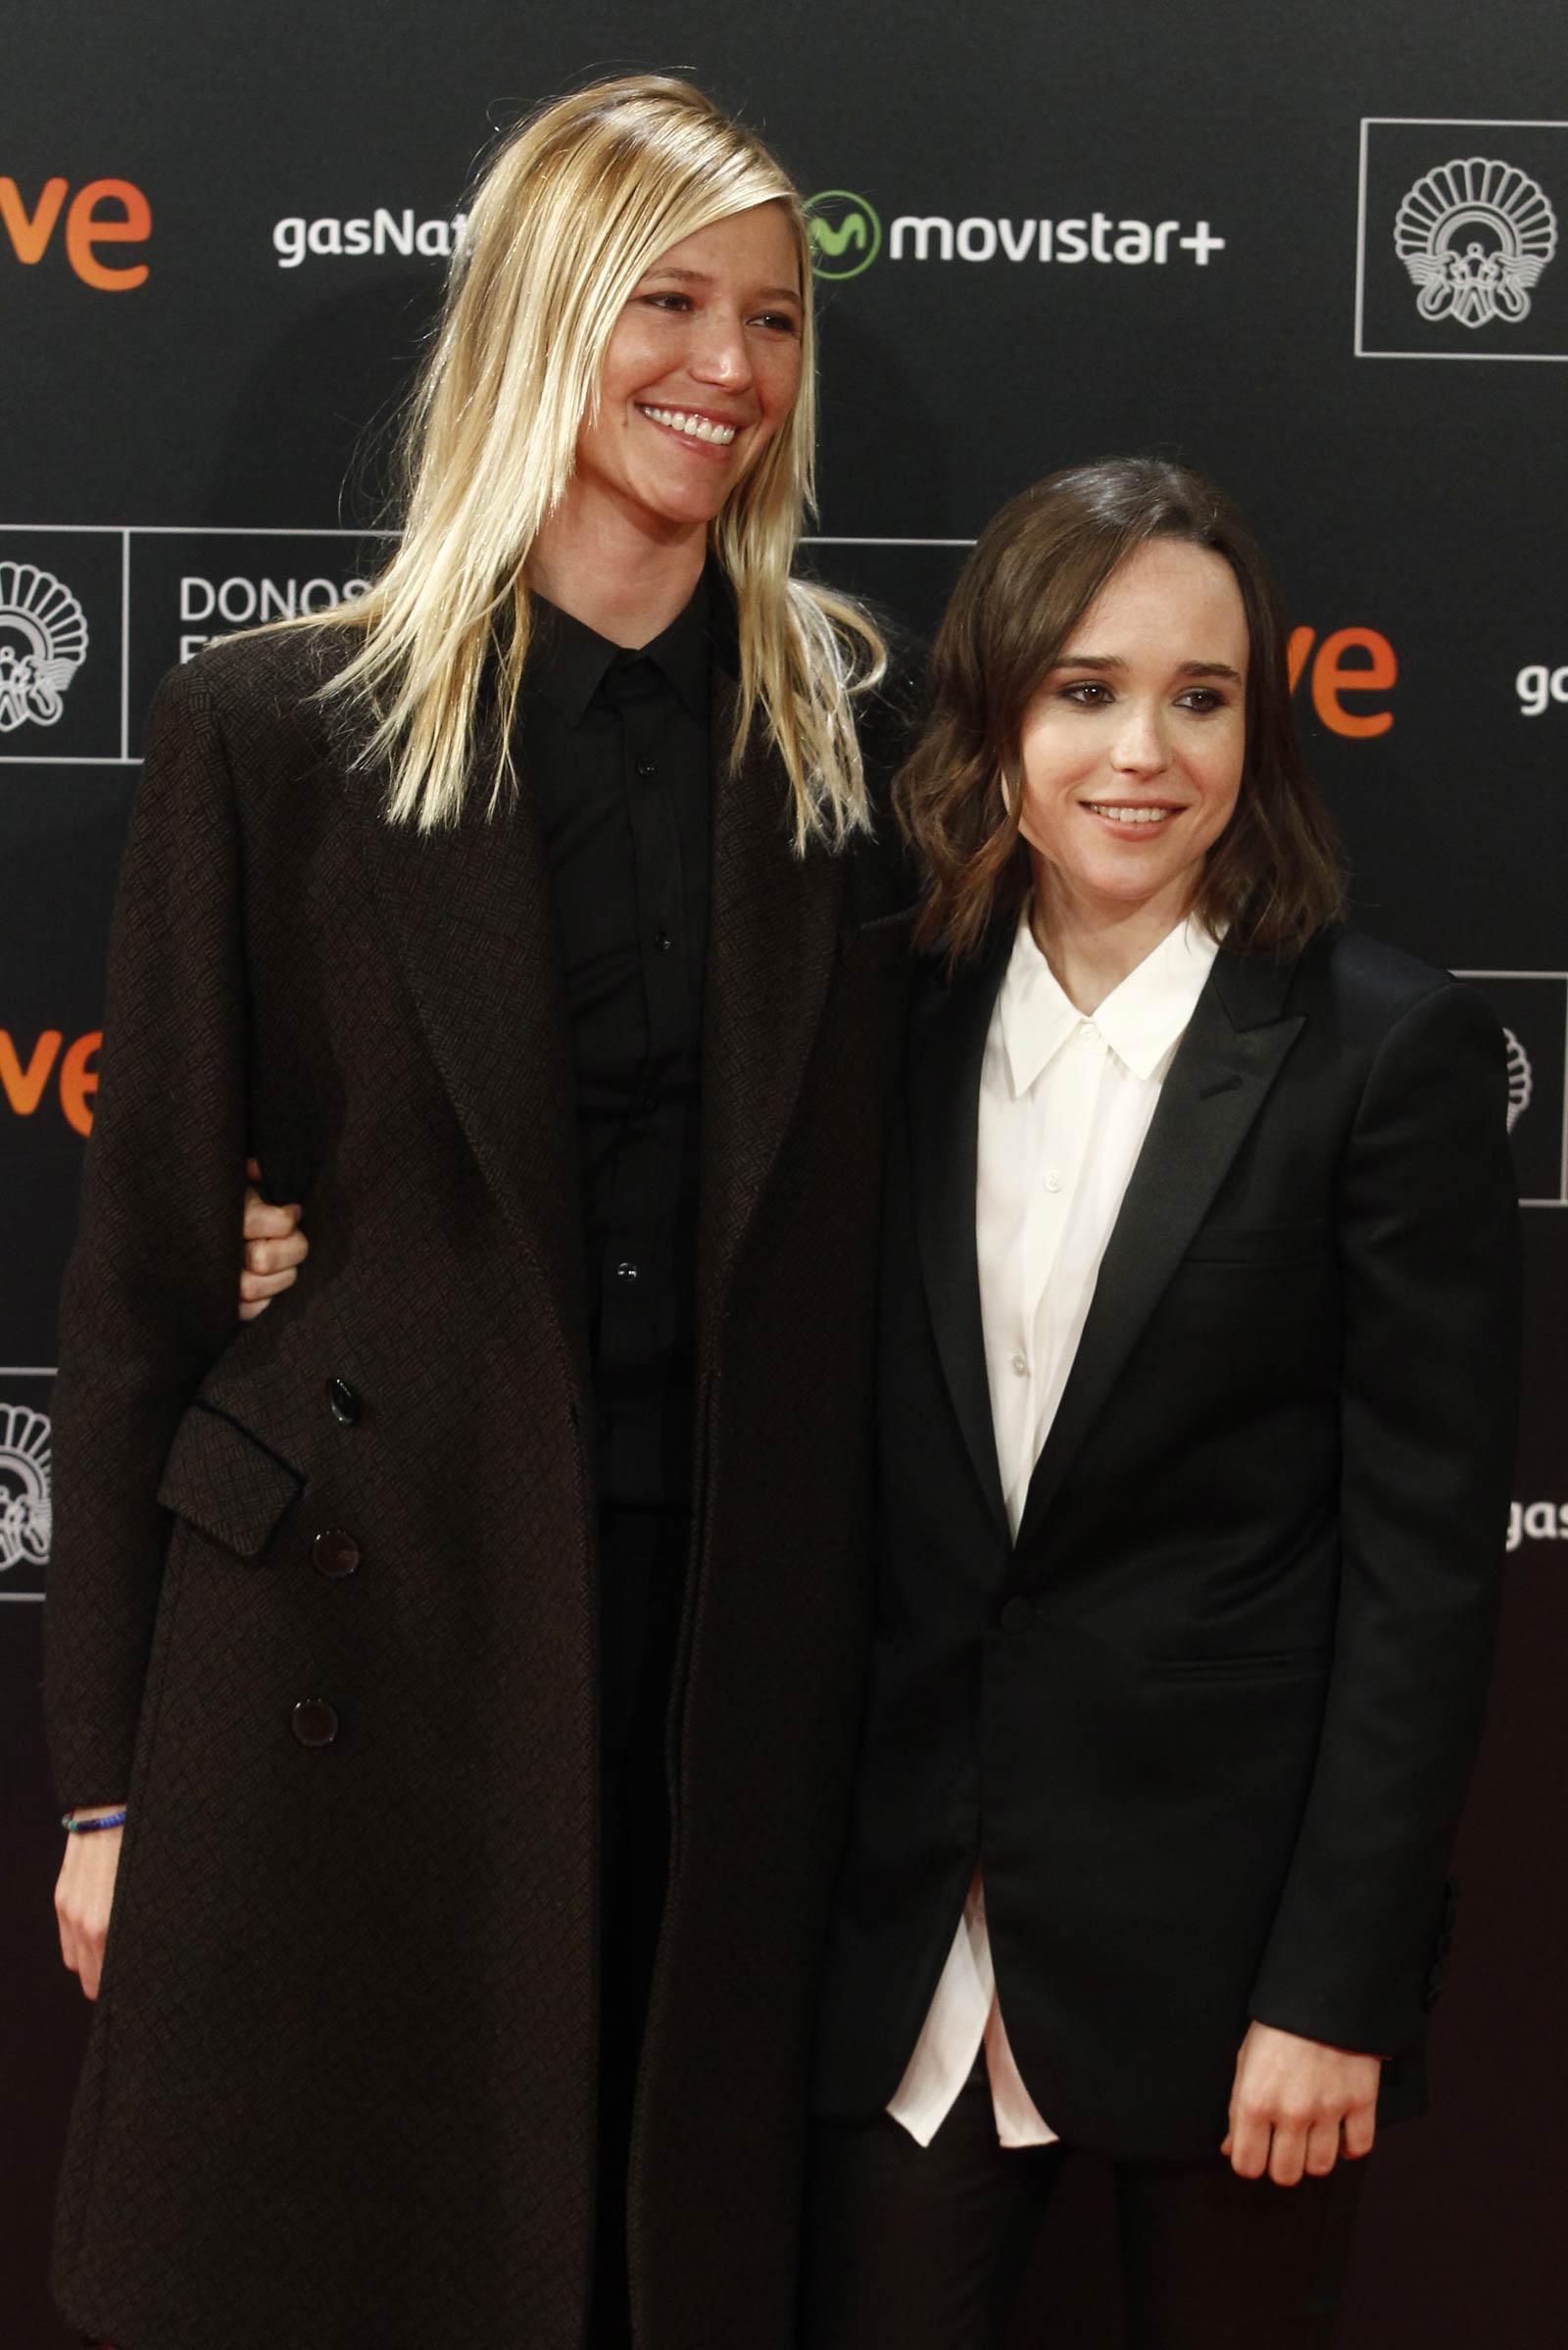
(1197,1365)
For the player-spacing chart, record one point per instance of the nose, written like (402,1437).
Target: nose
(1140,747)
(720,355)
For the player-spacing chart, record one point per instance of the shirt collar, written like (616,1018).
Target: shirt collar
(568,662)
(1141,1019)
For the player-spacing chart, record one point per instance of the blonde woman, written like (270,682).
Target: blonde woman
(471,1644)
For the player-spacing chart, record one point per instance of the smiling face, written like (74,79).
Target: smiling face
(702,369)
(1132,749)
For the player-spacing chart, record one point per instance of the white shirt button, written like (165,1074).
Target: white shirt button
(1087,1030)
(1021,1364)
(1053,1179)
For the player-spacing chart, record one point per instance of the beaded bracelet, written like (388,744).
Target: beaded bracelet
(74,1827)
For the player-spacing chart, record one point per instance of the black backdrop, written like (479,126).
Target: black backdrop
(196,359)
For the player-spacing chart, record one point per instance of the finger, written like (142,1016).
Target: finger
(1248,2146)
(248,1313)
(253,1168)
(275,1257)
(268,1219)
(1322,2148)
(264,1284)
(1287,2157)
(1361,2130)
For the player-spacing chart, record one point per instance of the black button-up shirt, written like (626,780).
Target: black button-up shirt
(615,747)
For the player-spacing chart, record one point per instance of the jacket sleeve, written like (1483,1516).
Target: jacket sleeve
(151,1292)
(1427,1224)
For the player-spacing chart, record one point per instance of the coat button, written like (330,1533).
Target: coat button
(1017,1615)
(334,1554)
(346,1405)
(314,1722)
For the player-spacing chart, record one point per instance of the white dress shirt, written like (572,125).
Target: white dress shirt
(1065,1102)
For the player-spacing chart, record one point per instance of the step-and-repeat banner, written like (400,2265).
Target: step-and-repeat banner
(1317,252)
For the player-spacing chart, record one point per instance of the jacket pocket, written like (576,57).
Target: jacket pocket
(1258,1244)
(223,1479)
(1282,1664)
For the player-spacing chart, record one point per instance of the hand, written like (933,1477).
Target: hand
(1294,2102)
(84,1895)
(274,1248)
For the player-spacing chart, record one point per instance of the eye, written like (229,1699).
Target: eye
(1203,699)
(666,299)
(1087,693)
(779,322)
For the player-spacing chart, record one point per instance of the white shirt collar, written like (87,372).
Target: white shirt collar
(1141,1019)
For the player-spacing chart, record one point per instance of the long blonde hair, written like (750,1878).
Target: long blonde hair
(572,210)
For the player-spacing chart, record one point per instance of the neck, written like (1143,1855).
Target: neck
(1091,945)
(624,576)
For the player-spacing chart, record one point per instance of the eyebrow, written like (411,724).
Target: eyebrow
(1111,661)
(763,293)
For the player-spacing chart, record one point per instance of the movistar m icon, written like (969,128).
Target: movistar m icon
(844,231)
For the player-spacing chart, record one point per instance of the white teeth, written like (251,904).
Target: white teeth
(1128,815)
(696,428)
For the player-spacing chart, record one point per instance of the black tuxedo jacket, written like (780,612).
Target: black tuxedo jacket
(1209,1724)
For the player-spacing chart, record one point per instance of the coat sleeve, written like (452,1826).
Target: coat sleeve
(1427,1225)
(151,1292)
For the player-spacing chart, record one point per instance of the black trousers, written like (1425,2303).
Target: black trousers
(923,2248)
(642,1575)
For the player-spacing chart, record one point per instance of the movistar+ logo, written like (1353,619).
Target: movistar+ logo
(846,233)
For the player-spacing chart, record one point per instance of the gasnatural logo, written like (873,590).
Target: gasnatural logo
(379,232)
(25,1511)
(1537,685)
(844,231)
(1475,235)
(1521,1080)
(43,643)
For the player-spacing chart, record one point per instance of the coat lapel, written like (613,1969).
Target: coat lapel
(472,919)
(1234,1048)
(945,1050)
(771,947)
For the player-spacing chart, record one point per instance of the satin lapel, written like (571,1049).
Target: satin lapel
(947,1048)
(773,940)
(472,919)
(1228,1059)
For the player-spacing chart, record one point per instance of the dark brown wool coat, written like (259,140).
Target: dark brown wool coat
(340,2087)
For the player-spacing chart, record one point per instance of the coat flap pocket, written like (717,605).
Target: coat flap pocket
(224,1479)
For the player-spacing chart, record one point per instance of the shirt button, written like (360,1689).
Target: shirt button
(1089,1032)
(1053,1179)
(647,1104)
(1021,1364)
(647,770)
(625,1271)
(663,941)
(1017,1615)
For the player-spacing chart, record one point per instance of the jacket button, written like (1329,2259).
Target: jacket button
(346,1405)
(314,1722)
(1017,1615)
(334,1554)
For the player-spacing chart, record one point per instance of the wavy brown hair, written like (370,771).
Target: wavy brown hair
(1273,877)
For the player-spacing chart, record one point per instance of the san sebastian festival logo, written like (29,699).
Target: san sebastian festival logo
(1475,235)
(24,1504)
(43,643)
(1521,1079)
